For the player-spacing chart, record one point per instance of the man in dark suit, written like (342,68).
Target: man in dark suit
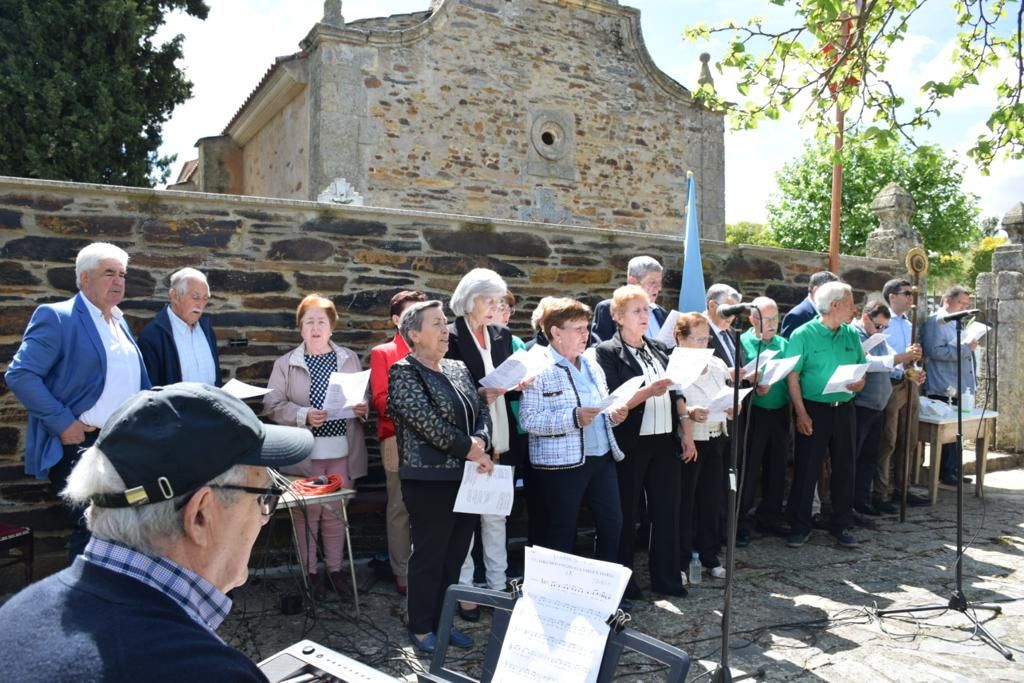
(805,311)
(647,273)
(77,363)
(178,344)
(721,340)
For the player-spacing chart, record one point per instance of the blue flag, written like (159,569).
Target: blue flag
(691,293)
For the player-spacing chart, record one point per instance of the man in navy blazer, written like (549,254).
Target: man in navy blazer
(805,311)
(645,272)
(178,344)
(77,363)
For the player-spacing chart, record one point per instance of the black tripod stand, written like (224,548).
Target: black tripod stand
(958,601)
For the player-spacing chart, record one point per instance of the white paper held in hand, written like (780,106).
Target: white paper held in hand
(845,374)
(974,332)
(766,356)
(485,494)
(242,390)
(873,341)
(723,402)
(776,369)
(344,392)
(666,335)
(685,365)
(621,395)
(521,365)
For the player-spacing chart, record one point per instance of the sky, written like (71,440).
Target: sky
(226,55)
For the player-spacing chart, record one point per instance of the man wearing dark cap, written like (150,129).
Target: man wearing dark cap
(177,489)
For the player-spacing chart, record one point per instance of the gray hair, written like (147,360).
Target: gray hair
(412,319)
(477,282)
(828,293)
(145,528)
(89,258)
(721,293)
(639,266)
(538,312)
(179,279)
(762,301)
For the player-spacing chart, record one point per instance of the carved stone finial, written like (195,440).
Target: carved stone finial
(705,72)
(332,13)
(1013,224)
(895,235)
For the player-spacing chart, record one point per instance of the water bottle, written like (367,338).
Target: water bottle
(967,402)
(695,568)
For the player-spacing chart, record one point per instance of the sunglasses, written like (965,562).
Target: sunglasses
(879,326)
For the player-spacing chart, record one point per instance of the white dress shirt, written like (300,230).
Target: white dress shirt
(194,352)
(124,373)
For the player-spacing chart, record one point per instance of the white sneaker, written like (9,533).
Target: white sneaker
(718,572)
(685,578)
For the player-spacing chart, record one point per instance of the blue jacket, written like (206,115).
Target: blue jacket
(161,354)
(88,623)
(58,374)
(802,313)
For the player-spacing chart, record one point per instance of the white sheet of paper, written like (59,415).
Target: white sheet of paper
(243,390)
(873,341)
(519,366)
(766,356)
(485,494)
(667,335)
(557,633)
(722,402)
(621,395)
(974,332)
(845,374)
(685,366)
(344,392)
(880,363)
(776,369)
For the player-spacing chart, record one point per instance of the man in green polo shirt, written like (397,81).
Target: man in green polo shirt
(825,423)
(768,437)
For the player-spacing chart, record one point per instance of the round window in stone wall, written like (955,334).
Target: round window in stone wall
(549,138)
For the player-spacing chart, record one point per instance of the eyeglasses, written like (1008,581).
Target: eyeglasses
(878,326)
(266,497)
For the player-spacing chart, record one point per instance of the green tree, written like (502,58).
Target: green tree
(837,51)
(946,216)
(84,91)
(747,232)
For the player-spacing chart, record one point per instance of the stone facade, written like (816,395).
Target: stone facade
(263,255)
(541,110)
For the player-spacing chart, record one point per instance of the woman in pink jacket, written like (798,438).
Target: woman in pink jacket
(298,386)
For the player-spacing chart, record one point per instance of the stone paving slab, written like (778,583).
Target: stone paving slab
(805,614)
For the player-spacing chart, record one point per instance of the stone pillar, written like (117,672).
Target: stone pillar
(220,165)
(895,235)
(1001,294)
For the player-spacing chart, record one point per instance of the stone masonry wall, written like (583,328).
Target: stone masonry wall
(262,256)
(546,110)
(276,160)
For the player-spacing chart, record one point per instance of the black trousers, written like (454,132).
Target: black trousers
(949,464)
(564,492)
(440,541)
(768,447)
(834,433)
(654,466)
(701,504)
(75,516)
(869,438)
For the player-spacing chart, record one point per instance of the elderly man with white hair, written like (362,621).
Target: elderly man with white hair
(825,422)
(177,489)
(178,344)
(77,363)
(646,273)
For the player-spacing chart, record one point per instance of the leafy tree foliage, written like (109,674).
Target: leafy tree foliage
(84,91)
(946,216)
(837,51)
(747,232)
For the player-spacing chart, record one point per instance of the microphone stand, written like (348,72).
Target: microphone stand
(723,674)
(958,601)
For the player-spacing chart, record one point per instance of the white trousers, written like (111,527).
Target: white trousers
(492,534)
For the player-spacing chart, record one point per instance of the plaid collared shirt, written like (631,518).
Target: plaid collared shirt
(200,599)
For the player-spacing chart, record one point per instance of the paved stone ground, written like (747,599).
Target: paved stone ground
(800,615)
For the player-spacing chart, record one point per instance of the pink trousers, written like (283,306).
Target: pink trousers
(315,521)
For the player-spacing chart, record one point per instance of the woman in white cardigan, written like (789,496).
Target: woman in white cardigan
(298,385)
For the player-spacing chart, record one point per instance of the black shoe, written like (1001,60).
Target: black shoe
(472,614)
(884,507)
(863,521)
(867,509)
(797,539)
(633,591)
(679,592)
(845,539)
(742,538)
(780,529)
(951,480)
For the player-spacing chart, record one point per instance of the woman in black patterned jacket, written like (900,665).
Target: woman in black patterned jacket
(440,423)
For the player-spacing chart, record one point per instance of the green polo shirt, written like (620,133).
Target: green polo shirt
(821,351)
(778,393)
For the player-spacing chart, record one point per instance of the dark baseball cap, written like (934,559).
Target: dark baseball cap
(169,441)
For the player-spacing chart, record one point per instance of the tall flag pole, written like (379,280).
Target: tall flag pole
(691,294)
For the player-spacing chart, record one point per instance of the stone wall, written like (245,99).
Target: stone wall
(276,160)
(541,110)
(263,255)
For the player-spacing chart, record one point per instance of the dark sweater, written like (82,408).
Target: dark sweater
(161,355)
(88,623)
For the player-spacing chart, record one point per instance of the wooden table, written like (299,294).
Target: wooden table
(937,432)
(296,504)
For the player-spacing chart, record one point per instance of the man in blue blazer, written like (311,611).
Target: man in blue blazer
(178,344)
(647,273)
(77,363)
(805,311)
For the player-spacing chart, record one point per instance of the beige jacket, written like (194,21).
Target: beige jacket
(288,400)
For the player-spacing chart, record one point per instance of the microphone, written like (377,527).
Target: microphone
(948,317)
(733,309)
